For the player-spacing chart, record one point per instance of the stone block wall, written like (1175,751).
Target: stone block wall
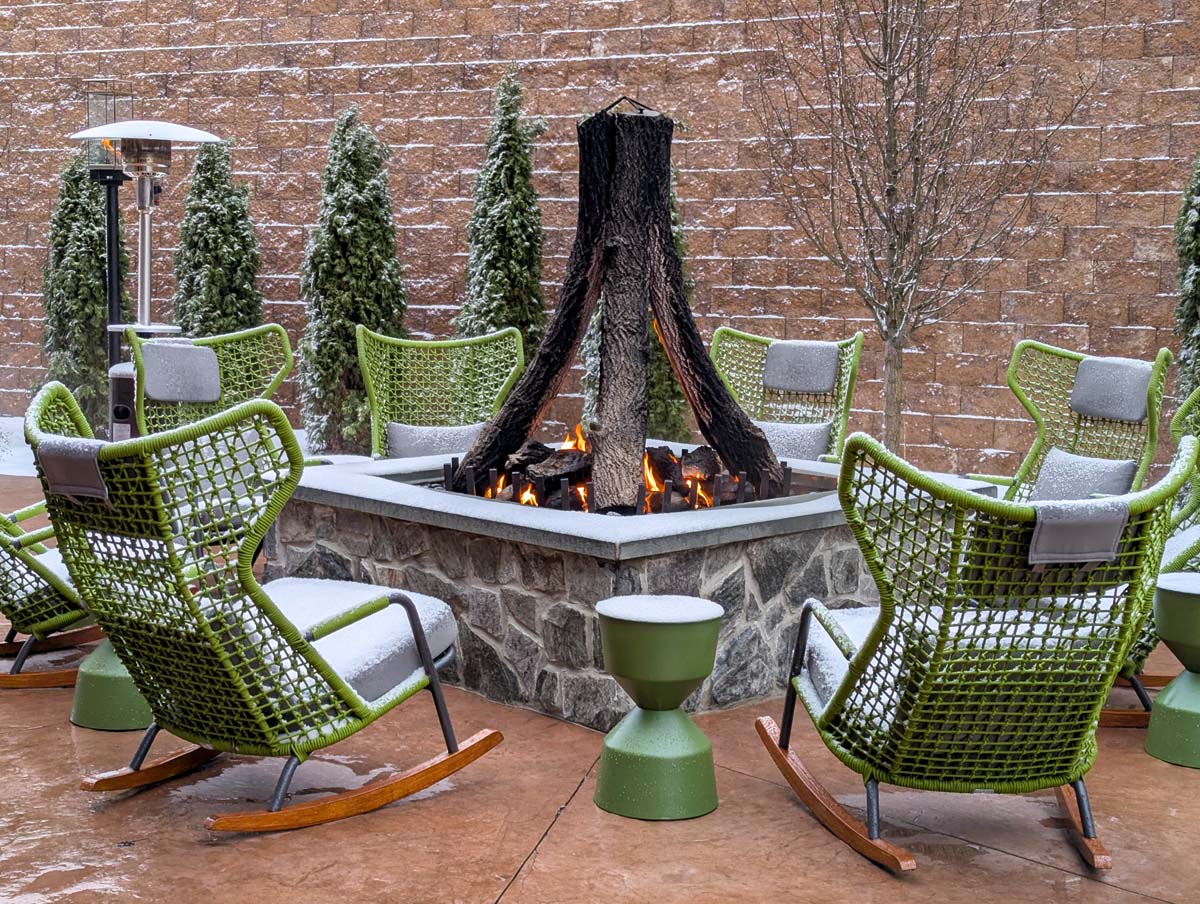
(272,74)
(528,632)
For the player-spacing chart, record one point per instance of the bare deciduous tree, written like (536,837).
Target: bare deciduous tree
(907,139)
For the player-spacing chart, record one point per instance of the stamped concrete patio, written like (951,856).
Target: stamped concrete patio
(520,826)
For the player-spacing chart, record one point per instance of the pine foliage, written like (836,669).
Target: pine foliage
(216,266)
(75,294)
(1187,312)
(350,275)
(504,235)
(668,407)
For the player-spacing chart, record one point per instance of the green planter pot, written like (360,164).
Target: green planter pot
(105,697)
(1174,734)
(656,764)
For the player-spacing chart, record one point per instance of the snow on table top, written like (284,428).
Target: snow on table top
(659,610)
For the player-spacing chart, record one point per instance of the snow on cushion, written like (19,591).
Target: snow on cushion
(1068,476)
(180,372)
(807,442)
(659,609)
(1179,543)
(824,664)
(801,365)
(1111,388)
(408,441)
(53,561)
(376,654)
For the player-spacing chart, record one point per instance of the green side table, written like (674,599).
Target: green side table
(105,697)
(656,764)
(1174,734)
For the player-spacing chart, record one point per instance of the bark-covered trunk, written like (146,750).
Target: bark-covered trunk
(893,395)
(623,247)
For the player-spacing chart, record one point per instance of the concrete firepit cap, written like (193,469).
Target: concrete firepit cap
(659,610)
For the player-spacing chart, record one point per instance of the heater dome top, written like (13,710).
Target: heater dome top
(147,129)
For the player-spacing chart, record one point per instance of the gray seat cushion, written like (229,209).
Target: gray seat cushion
(807,442)
(1178,543)
(1111,388)
(801,365)
(824,664)
(177,371)
(1065,475)
(409,441)
(378,653)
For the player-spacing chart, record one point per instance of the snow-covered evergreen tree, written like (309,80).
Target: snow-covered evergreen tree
(75,294)
(350,275)
(216,266)
(504,235)
(1187,312)
(668,407)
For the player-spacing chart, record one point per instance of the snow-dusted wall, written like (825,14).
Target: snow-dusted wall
(273,73)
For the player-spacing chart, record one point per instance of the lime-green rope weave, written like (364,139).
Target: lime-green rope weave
(1042,378)
(449,383)
(982,671)
(164,566)
(740,358)
(252,363)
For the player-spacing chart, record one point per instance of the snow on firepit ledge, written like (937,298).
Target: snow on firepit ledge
(390,488)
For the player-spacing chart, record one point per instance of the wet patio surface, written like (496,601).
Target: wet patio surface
(520,826)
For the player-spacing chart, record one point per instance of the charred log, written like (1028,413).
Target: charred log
(569,463)
(530,453)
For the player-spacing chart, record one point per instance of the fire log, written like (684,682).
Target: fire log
(529,454)
(569,463)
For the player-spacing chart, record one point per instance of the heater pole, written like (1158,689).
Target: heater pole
(111,180)
(145,208)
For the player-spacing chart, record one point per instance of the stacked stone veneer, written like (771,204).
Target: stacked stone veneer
(528,632)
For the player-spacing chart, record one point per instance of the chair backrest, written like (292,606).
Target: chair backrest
(163,563)
(34,598)
(448,383)
(252,364)
(1186,422)
(983,671)
(1042,378)
(740,359)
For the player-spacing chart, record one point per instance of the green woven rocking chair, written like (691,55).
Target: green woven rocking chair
(743,361)
(1043,378)
(147,529)
(177,388)
(978,671)
(36,594)
(1181,553)
(433,397)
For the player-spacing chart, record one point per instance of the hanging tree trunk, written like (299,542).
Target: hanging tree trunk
(623,247)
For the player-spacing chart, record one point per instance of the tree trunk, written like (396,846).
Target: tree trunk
(623,247)
(893,394)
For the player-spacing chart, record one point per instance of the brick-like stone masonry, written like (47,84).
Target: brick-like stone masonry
(528,632)
(273,73)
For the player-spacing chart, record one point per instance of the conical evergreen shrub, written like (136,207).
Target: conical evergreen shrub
(216,266)
(504,235)
(668,408)
(350,275)
(1187,311)
(75,295)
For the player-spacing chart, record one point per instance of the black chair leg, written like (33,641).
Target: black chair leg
(143,747)
(1142,694)
(285,780)
(872,809)
(1085,809)
(789,700)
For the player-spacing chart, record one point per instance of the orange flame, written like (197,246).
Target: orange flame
(528,496)
(577,441)
(500,485)
(703,500)
(581,492)
(652,484)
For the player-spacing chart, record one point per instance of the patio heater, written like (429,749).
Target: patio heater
(141,149)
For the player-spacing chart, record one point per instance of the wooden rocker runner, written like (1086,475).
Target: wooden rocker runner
(981,671)
(282,669)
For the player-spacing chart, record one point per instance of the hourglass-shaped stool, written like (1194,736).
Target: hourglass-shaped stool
(1174,734)
(656,764)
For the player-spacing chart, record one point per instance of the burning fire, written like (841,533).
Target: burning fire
(576,441)
(581,492)
(528,496)
(500,485)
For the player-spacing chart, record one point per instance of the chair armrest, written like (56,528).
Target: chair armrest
(35,538)
(830,459)
(825,617)
(993,478)
(30,511)
(345,618)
